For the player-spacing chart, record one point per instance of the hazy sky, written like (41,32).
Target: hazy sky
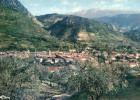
(40,7)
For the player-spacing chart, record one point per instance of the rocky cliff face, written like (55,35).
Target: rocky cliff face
(16,4)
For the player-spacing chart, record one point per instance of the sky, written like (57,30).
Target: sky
(41,7)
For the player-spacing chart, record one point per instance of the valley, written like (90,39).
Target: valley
(85,55)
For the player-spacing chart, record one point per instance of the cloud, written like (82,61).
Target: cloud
(102,2)
(76,9)
(75,3)
(121,0)
(43,10)
(65,2)
(36,5)
(116,5)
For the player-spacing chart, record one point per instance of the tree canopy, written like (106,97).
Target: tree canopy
(95,82)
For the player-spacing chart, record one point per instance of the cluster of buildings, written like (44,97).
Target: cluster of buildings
(55,57)
(132,59)
(68,57)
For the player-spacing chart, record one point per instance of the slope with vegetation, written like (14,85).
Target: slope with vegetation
(50,19)
(134,35)
(85,31)
(19,32)
(17,5)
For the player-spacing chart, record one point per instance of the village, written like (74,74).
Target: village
(57,60)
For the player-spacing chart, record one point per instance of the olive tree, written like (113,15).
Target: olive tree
(19,78)
(97,81)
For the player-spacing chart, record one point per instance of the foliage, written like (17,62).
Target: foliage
(60,77)
(95,82)
(101,59)
(18,32)
(124,49)
(133,35)
(50,19)
(88,32)
(19,78)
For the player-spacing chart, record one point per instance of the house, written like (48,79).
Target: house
(53,69)
(72,66)
(105,54)
(131,55)
(137,56)
(68,59)
(132,65)
(83,59)
(49,61)
(56,60)
(113,57)
(132,60)
(73,50)
(107,61)
(39,60)
(123,60)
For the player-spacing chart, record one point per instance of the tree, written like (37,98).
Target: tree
(19,78)
(101,59)
(96,82)
(60,77)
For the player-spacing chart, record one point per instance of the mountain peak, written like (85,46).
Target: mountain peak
(100,12)
(16,4)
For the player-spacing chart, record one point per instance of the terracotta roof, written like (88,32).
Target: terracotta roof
(133,64)
(132,59)
(54,68)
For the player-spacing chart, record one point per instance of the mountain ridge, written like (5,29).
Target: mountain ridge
(126,22)
(16,4)
(19,32)
(53,18)
(86,31)
(99,12)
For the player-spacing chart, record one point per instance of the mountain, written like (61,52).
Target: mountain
(72,27)
(134,35)
(85,31)
(17,29)
(98,12)
(17,5)
(50,19)
(19,32)
(125,22)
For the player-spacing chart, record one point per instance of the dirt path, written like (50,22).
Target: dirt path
(60,97)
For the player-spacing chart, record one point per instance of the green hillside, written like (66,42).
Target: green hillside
(16,29)
(19,32)
(71,27)
(50,19)
(18,6)
(81,30)
(134,35)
